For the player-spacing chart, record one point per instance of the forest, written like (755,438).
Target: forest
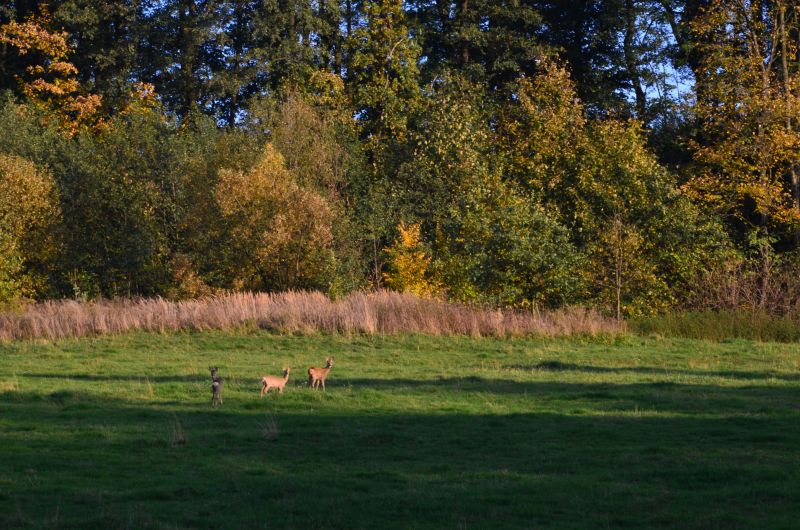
(633,156)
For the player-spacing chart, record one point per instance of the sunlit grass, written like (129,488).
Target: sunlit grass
(414,432)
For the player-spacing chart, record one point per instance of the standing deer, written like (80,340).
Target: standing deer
(270,381)
(318,375)
(216,387)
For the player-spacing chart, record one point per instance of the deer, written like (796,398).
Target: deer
(318,375)
(271,381)
(216,387)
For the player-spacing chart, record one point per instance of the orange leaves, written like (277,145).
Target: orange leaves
(31,35)
(51,81)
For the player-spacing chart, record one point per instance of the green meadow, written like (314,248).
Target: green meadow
(413,432)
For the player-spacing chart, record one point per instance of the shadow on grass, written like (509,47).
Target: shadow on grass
(134,378)
(663,397)
(558,366)
(658,396)
(91,462)
(78,460)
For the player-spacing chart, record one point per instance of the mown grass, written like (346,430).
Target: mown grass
(414,432)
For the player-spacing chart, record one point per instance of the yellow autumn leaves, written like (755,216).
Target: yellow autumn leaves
(29,214)
(409,264)
(281,233)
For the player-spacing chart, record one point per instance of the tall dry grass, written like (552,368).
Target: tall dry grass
(383,312)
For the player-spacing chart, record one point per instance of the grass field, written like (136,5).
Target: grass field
(413,432)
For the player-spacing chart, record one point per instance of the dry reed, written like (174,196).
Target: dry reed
(382,312)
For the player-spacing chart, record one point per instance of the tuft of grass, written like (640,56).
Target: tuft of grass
(9,386)
(177,436)
(270,429)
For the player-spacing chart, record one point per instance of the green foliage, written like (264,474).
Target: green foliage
(588,37)
(648,233)
(543,131)
(530,184)
(383,72)
(618,202)
(127,206)
(493,243)
(500,247)
(451,149)
(122,212)
(492,42)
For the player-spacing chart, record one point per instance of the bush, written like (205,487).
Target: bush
(29,218)
(281,234)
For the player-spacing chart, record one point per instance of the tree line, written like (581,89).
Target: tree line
(633,155)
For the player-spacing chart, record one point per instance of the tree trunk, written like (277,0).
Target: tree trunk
(188,47)
(795,178)
(618,264)
(631,59)
(349,17)
(462,7)
(376,264)
(687,41)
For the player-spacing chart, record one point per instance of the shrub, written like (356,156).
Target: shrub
(281,233)
(408,263)
(29,217)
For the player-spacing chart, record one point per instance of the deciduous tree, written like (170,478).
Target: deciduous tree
(29,222)
(50,80)
(748,103)
(281,233)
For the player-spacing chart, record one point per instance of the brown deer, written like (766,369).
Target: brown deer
(318,375)
(271,381)
(216,387)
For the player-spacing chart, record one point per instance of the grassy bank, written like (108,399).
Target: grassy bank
(414,432)
(720,325)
